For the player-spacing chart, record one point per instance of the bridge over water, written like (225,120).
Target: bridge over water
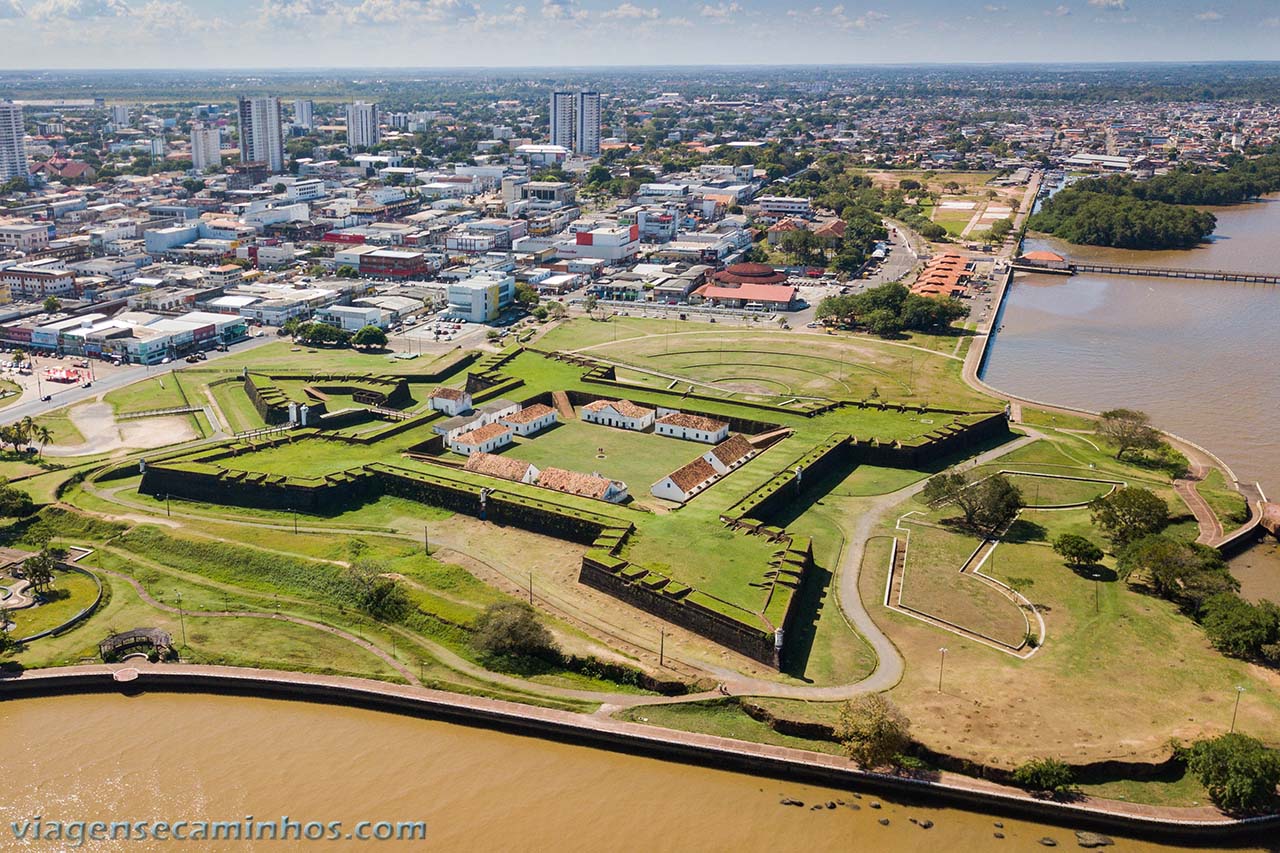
(1072,268)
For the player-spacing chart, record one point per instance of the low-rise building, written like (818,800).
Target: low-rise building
(685,482)
(502,467)
(451,401)
(618,413)
(531,419)
(583,485)
(691,427)
(485,439)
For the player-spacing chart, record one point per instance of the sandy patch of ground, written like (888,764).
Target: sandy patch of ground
(103,434)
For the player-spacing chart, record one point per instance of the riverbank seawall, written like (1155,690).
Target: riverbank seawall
(1185,826)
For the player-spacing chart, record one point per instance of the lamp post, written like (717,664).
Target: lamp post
(1236,710)
(662,646)
(182,619)
(942,662)
(167,510)
(426,541)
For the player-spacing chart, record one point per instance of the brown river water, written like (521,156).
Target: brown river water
(173,757)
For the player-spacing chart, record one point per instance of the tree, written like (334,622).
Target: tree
(512,628)
(599,174)
(1237,627)
(376,592)
(43,436)
(14,502)
(1185,572)
(804,246)
(1077,550)
(1044,774)
(527,295)
(322,333)
(998,502)
(556,310)
(51,304)
(988,504)
(1240,772)
(1129,430)
(347,271)
(278,188)
(872,730)
(38,569)
(369,337)
(1129,513)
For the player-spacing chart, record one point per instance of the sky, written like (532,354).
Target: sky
(495,33)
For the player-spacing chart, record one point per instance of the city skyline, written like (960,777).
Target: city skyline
(286,33)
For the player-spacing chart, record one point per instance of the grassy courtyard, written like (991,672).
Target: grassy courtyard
(638,459)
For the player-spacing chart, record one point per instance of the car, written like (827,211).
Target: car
(46,398)
(165,360)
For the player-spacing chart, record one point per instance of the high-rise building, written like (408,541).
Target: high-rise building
(206,147)
(260,138)
(120,115)
(562,119)
(13,146)
(302,114)
(586,128)
(362,124)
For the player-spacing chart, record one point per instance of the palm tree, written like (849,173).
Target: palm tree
(25,428)
(43,435)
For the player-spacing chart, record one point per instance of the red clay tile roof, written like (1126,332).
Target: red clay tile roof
(574,483)
(689,477)
(750,274)
(750,292)
(626,408)
(448,393)
(529,414)
(483,434)
(492,465)
(732,449)
(688,421)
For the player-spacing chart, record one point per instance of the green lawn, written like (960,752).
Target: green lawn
(163,391)
(1057,491)
(637,459)
(933,584)
(71,593)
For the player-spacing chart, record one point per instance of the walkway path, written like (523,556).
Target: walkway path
(1211,531)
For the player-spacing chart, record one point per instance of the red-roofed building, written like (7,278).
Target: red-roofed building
(749,274)
(774,297)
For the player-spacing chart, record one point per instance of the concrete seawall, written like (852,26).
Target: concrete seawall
(1185,826)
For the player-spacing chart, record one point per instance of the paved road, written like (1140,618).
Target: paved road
(32,406)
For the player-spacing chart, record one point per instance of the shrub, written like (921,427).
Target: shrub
(872,730)
(1044,774)
(1077,550)
(512,628)
(1240,772)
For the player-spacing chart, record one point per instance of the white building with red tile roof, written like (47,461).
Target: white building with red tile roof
(583,485)
(451,401)
(502,467)
(618,413)
(486,439)
(691,427)
(685,482)
(531,419)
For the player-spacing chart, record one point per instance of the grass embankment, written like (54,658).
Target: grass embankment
(1227,504)
(723,718)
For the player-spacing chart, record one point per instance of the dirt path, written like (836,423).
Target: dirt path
(102,433)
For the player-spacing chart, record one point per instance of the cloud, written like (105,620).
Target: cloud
(1058,12)
(79,10)
(720,11)
(386,12)
(869,19)
(562,10)
(1209,15)
(993,9)
(1116,5)
(630,11)
(1272,23)
(11,9)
